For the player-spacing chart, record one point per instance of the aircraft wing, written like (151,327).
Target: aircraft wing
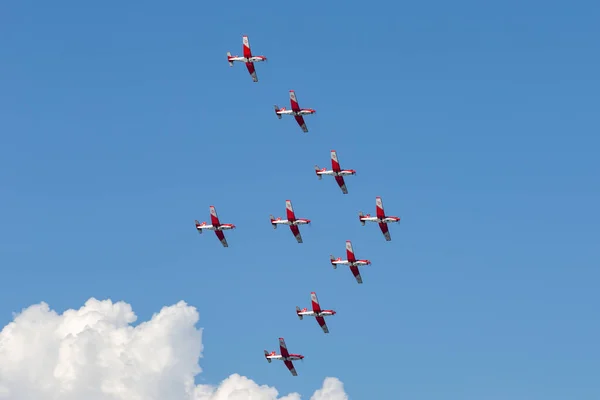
(350,251)
(283,348)
(315,302)
(214,219)
(290,366)
(294,101)
(221,237)
(296,232)
(252,71)
(341,184)
(289,209)
(379,207)
(356,273)
(300,121)
(321,322)
(246,46)
(335,164)
(385,230)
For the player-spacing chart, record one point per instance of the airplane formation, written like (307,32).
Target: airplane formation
(294,222)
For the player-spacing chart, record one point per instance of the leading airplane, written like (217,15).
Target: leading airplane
(351,261)
(380,218)
(247,58)
(316,312)
(337,172)
(296,111)
(285,356)
(291,220)
(216,226)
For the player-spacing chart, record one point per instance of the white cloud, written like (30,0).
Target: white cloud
(95,354)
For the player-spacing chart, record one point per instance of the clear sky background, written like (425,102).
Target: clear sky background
(121,122)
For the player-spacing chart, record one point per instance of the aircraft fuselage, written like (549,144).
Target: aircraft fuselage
(380,220)
(292,357)
(250,60)
(295,113)
(357,263)
(222,227)
(287,222)
(323,313)
(343,172)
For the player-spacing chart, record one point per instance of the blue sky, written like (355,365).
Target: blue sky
(477,124)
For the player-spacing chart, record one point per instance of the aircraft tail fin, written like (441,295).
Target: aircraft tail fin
(228,59)
(277,112)
(267,356)
(273,222)
(298,313)
(360,215)
(317,169)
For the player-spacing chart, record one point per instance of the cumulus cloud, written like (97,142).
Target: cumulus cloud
(238,387)
(94,353)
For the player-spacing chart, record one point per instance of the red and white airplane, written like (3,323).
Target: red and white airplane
(296,111)
(247,58)
(286,357)
(216,226)
(291,220)
(381,218)
(337,172)
(316,312)
(352,262)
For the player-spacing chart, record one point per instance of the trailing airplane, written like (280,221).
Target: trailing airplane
(247,58)
(352,262)
(296,111)
(286,357)
(336,171)
(216,226)
(291,220)
(316,312)
(380,218)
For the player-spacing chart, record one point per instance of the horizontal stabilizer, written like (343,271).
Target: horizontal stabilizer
(360,215)
(274,225)
(267,356)
(229,55)
(317,169)
(297,311)
(277,112)
(332,260)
